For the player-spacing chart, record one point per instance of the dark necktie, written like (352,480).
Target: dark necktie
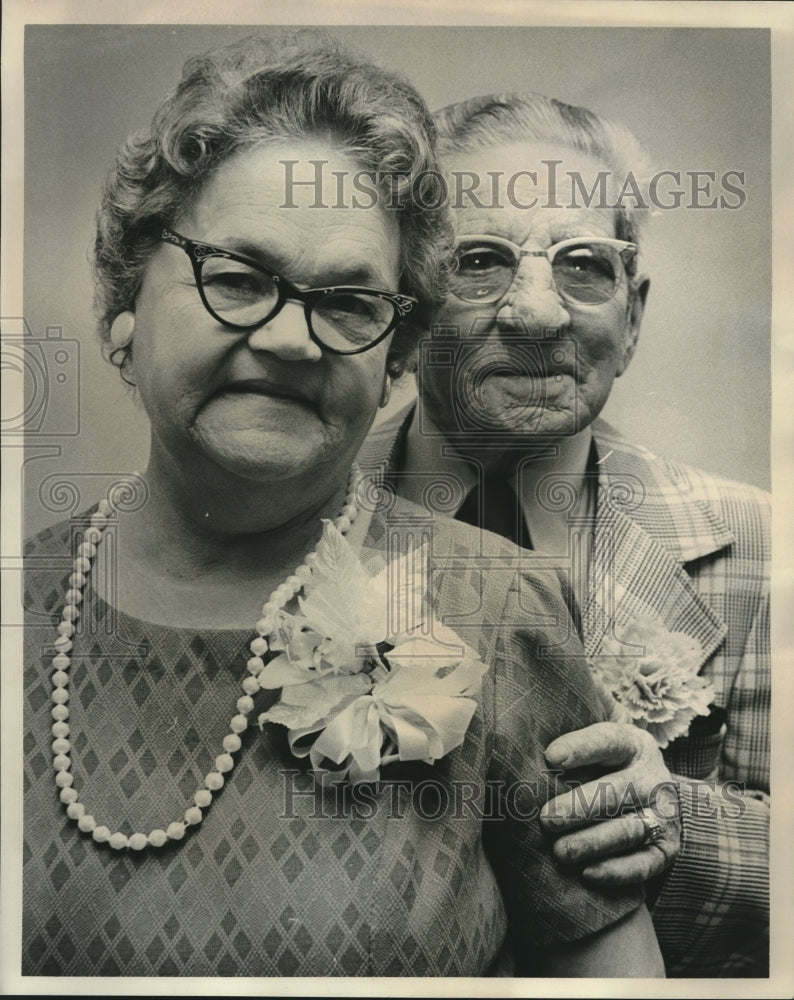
(496,508)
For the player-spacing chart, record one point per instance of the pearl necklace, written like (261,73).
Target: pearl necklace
(224,763)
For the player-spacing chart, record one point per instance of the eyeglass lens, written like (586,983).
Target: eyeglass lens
(245,297)
(586,273)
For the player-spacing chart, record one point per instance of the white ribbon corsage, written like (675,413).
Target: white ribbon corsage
(656,685)
(367,674)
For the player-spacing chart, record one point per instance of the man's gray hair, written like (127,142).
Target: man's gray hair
(481,122)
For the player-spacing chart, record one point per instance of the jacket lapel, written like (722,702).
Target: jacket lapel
(648,525)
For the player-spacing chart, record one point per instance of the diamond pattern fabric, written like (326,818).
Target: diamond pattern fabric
(280,879)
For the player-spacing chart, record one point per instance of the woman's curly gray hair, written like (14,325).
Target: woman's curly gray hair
(282,86)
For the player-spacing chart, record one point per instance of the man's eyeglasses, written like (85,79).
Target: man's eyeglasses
(585,271)
(243,294)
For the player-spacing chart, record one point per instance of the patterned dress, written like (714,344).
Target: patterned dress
(437,871)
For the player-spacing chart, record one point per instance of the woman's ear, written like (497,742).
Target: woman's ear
(635,310)
(121,330)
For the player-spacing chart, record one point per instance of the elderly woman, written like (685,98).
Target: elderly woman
(382,819)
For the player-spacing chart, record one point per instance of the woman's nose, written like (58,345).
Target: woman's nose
(532,301)
(286,335)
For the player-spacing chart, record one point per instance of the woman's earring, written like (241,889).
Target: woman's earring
(121,330)
(386,394)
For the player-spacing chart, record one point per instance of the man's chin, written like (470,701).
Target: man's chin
(529,424)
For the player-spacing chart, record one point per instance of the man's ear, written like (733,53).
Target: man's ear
(634,313)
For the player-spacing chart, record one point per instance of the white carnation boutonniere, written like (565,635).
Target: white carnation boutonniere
(367,674)
(656,685)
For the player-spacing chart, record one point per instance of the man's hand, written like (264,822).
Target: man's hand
(600,826)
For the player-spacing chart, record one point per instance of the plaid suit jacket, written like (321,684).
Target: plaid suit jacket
(693,550)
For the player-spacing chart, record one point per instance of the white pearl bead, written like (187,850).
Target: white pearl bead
(214,780)
(255,665)
(250,685)
(193,816)
(245,704)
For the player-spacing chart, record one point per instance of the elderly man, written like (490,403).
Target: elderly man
(544,313)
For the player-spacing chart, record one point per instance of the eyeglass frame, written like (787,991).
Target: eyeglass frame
(624,247)
(198,251)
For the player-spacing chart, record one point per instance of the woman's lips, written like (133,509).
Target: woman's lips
(264,387)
